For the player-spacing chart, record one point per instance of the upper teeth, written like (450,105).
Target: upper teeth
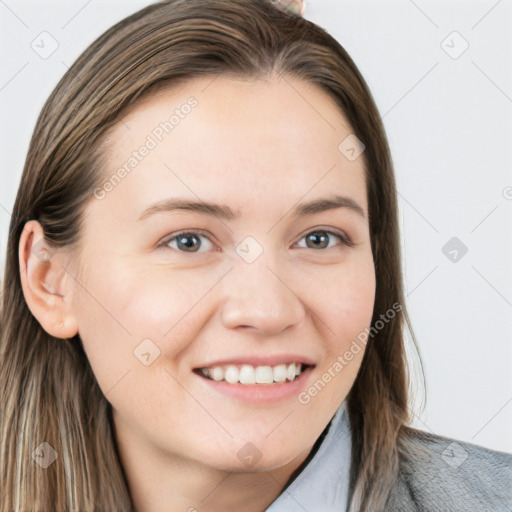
(248,374)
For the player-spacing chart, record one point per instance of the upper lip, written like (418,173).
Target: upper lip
(259,360)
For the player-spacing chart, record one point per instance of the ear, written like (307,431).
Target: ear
(46,283)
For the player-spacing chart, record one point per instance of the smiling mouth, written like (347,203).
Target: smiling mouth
(250,375)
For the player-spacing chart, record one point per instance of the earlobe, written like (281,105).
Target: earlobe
(44,281)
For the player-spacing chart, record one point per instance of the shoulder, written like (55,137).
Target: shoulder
(438,473)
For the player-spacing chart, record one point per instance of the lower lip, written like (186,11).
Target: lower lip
(262,392)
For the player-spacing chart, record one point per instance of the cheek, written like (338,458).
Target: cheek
(343,305)
(352,308)
(344,302)
(120,309)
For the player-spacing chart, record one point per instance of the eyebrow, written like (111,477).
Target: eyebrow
(226,213)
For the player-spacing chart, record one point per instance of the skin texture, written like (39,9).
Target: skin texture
(259,147)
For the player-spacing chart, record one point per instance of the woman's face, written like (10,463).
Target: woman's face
(259,279)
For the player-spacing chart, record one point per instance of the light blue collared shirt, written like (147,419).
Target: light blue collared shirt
(322,485)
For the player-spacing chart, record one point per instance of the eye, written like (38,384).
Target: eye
(187,241)
(192,241)
(321,239)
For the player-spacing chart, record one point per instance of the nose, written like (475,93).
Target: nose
(258,298)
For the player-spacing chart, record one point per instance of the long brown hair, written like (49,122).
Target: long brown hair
(49,392)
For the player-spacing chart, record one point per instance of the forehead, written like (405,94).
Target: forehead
(248,142)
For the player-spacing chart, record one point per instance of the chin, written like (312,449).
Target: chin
(247,457)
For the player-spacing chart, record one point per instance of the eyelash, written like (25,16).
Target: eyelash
(340,236)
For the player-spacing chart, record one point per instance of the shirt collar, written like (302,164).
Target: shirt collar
(323,484)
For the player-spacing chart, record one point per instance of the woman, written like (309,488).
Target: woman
(203,306)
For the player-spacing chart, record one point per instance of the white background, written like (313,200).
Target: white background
(449,123)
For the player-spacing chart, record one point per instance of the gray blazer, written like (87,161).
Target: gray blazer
(442,474)
(436,474)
